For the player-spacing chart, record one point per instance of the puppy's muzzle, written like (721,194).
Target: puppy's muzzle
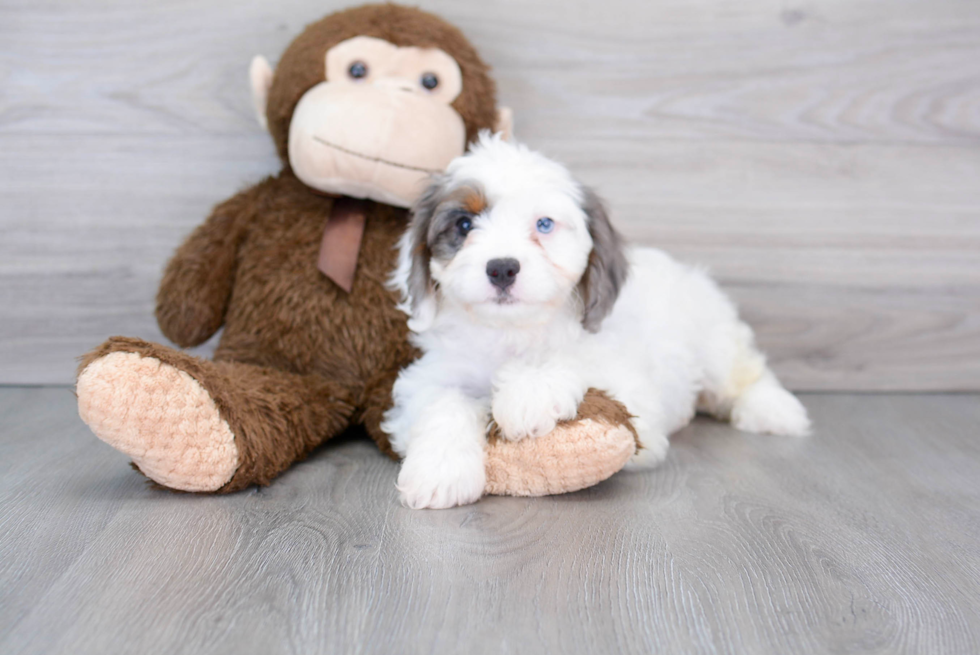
(503,272)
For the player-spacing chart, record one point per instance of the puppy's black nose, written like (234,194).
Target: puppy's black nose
(503,272)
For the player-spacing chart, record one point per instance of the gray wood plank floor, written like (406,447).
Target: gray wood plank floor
(862,539)
(820,157)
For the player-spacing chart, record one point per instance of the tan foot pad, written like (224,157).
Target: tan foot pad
(573,456)
(161,417)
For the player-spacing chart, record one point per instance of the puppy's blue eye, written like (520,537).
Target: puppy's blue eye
(545,225)
(464,225)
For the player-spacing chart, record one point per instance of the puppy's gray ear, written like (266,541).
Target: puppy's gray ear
(607,268)
(412,277)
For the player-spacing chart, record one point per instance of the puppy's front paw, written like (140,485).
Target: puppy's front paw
(522,410)
(437,480)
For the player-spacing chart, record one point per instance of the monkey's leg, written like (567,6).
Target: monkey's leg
(196,425)
(575,455)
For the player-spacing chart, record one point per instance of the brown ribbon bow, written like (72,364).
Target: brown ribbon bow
(342,241)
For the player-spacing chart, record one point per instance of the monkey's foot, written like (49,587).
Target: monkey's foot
(159,416)
(575,455)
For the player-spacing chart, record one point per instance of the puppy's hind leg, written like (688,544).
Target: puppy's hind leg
(653,446)
(766,407)
(740,387)
(651,429)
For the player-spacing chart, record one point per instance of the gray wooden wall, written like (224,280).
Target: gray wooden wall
(822,157)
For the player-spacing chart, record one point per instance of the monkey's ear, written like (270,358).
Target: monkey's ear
(505,123)
(260,77)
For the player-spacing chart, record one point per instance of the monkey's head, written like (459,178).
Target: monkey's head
(368,102)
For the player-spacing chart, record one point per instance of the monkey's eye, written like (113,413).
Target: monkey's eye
(545,225)
(358,70)
(464,224)
(429,80)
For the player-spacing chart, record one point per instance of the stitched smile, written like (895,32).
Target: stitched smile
(374,159)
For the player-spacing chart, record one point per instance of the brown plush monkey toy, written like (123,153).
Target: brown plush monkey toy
(363,106)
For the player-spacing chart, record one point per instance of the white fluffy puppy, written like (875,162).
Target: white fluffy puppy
(508,270)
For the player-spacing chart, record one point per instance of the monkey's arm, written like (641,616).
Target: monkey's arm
(575,455)
(197,282)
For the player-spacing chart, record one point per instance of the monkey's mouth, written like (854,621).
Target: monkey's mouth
(354,153)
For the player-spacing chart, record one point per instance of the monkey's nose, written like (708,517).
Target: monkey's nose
(396,84)
(503,272)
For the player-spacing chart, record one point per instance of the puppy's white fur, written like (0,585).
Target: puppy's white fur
(672,342)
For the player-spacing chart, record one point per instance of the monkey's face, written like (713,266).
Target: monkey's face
(368,101)
(380,123)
